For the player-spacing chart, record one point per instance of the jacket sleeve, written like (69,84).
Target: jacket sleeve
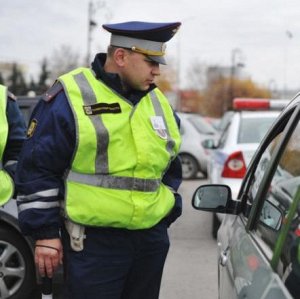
(16,136)
(44,158)
(173,178)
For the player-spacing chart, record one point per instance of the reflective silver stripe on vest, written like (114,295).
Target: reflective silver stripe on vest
(115,182)
(89,98)
(45,193)
(10,163)
(38,205)
(159,111)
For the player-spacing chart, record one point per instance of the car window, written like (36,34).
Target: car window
(225,120)
(201,125)
(280,193)
(252,130)
(223,138)
(182,129)
(284,185)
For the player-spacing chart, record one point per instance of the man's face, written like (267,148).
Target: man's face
(139,72)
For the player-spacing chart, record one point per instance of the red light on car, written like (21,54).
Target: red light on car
(251,104)
(234,166)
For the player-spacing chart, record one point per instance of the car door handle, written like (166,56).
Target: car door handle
(224,257)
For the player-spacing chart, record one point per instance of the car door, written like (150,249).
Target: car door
(242,264)
(254,258)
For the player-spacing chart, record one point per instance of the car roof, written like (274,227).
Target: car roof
(259,114)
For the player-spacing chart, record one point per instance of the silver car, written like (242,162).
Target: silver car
(258,240)
(194,157)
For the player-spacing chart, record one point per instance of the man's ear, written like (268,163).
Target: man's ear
(120,56)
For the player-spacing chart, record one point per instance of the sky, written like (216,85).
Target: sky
(263,35)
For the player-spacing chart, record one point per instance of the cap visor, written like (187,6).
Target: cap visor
(158,59)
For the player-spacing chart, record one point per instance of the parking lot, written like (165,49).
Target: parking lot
(191,268)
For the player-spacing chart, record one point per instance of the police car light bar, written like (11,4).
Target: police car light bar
(259,104)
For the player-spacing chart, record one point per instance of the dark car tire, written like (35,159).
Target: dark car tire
(15,254)
(215,225)
(189,166)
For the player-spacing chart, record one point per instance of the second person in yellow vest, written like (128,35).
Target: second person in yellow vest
(12,135)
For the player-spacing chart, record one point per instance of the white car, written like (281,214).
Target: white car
(243,132)
(194,157)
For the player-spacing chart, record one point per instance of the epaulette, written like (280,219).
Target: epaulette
(11,96)
(50,94)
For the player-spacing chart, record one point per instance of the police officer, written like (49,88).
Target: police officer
(103,145)
(13,130)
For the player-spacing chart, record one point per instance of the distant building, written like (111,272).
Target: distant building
(6,69)
(190,101)
(284,94)
(214,73)
(185,100)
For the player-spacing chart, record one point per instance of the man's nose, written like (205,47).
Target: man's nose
(156,70)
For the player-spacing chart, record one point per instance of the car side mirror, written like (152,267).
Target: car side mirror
(209,144)
(212,198)
(271,216)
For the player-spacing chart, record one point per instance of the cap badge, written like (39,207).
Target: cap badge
(149,52)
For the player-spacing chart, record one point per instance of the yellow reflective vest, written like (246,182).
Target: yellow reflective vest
(122,152)
(6,182)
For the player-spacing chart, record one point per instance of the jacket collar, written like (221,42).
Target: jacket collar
(113,80)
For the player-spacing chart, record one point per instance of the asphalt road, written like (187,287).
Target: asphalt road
(191,266)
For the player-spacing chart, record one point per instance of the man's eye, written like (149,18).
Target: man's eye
(151,63)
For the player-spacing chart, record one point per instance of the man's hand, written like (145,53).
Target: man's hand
(48,256)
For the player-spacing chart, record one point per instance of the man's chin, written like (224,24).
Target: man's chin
(144,87)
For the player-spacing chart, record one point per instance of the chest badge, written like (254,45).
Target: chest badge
(159,126)
(101,108)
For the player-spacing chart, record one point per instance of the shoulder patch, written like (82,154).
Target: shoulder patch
(50,94)
(31,128)
(11,96)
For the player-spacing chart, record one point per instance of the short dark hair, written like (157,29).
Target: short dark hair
(111,50)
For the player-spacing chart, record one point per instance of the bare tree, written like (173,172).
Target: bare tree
(63,60)
(43,81)
(16,81)
(196,76)
(217,94)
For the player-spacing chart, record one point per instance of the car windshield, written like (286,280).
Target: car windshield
(201,125)
(252,130)
(225,120)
